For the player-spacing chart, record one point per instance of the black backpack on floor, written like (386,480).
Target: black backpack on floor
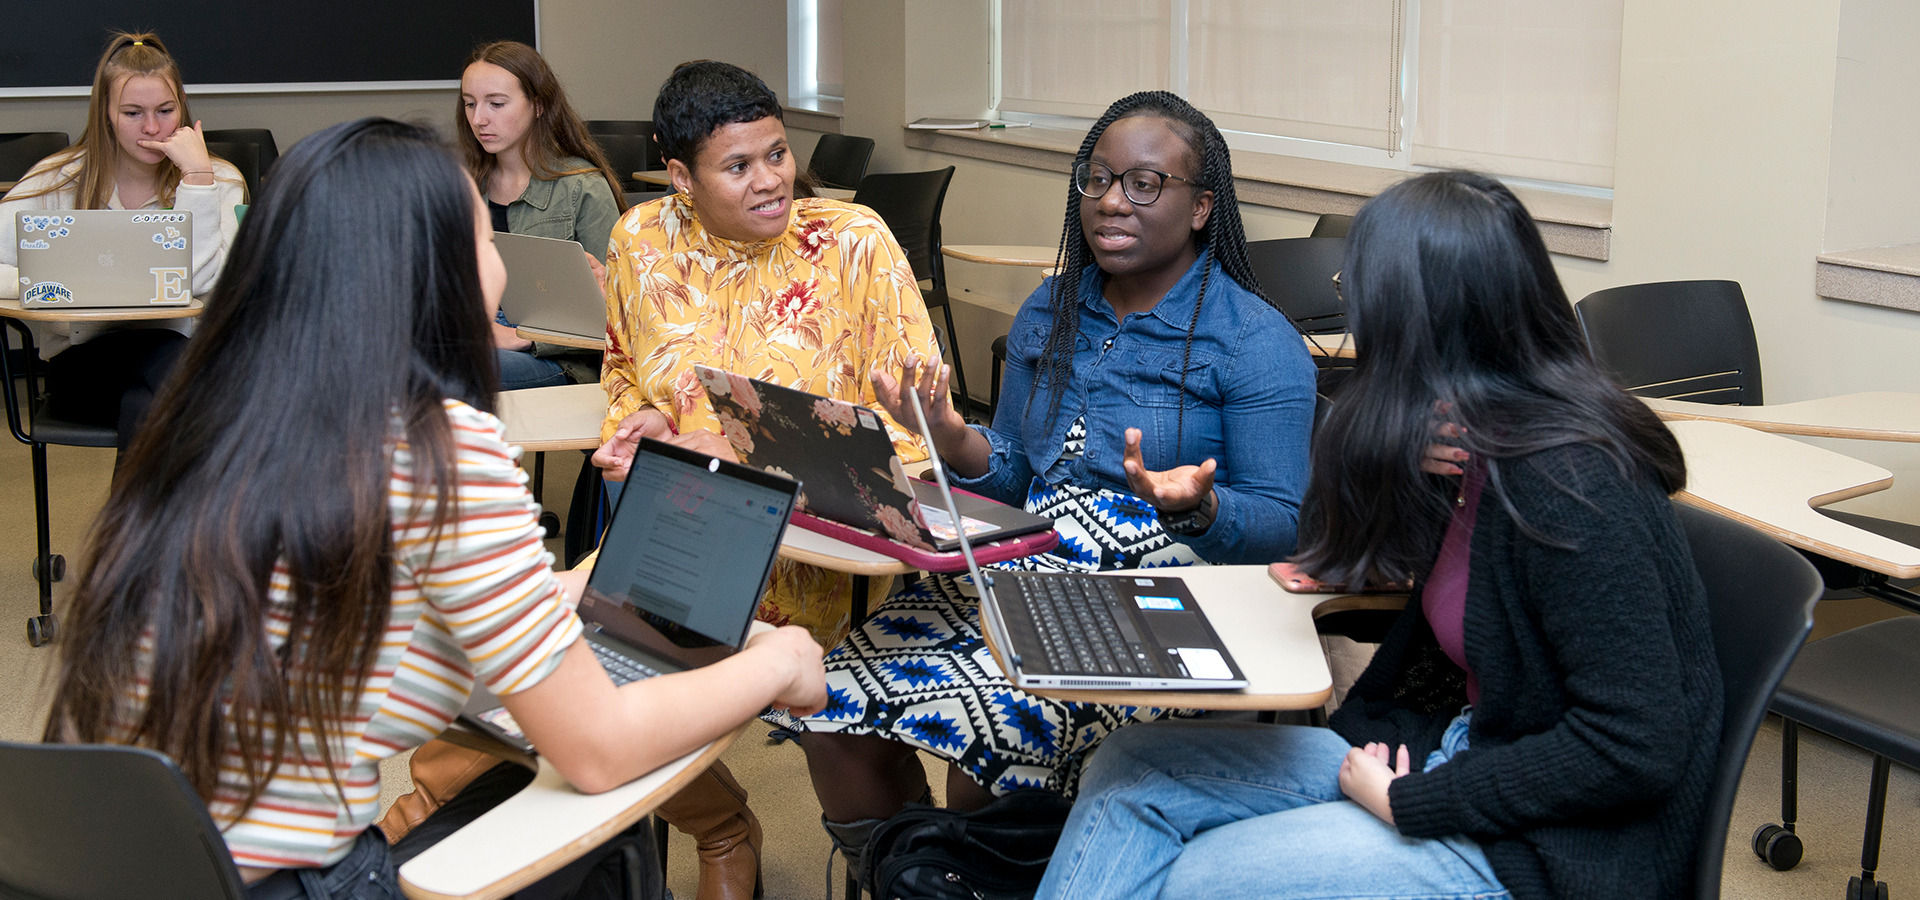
(995,853)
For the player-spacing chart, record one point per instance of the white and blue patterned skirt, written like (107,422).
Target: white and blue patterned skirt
(918,671)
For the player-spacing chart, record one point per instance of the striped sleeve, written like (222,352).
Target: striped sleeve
(489,577)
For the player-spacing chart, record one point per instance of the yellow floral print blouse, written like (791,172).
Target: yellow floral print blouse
(815,309)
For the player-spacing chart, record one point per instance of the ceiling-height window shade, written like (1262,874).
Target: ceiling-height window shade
(1520,87)
(1298,68)
(1075,57)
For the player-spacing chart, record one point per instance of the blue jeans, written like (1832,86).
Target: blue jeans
(1234,809)
(520,369)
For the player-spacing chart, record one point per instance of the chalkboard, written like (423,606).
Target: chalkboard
(50,47)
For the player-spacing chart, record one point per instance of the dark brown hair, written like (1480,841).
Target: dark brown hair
(349,310)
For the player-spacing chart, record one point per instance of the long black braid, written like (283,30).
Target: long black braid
(1223,237)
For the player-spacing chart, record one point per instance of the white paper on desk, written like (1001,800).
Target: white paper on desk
(934,124)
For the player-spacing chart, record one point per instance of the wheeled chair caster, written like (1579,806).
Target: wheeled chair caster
(56,566)
(1779,847)
(1857,890)
(41,630)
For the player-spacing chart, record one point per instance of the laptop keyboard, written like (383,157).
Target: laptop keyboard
(620,668)
(1083,625)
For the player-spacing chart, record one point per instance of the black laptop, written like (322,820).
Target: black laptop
(685,559)
(842,453)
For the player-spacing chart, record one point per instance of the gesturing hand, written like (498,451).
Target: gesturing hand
(1178,489)
(929,379)
(1367,771)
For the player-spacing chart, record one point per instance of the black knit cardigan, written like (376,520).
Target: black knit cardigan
(1593,745)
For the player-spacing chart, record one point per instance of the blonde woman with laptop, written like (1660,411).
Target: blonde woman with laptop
(140,149)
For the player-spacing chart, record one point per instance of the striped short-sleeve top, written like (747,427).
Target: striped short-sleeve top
(479,603)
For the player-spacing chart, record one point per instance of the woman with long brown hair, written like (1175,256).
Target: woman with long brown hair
(324,543)
(542,175)
(141,149)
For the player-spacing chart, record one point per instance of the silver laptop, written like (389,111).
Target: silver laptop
(550,287)
(680,573)
(105,257)
(1083,630)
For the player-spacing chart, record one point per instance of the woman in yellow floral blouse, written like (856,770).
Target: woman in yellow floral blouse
(731,271)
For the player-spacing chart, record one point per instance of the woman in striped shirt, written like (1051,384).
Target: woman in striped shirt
(324,542)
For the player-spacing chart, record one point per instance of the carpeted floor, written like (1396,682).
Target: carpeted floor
(1833,777)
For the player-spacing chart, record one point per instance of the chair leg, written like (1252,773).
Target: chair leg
(993,381)
(1865,887)
(1777,844)
(41,629)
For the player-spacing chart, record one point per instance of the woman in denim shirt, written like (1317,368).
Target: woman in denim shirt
(1155,406)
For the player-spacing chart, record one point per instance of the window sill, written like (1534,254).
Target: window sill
(1882,276)
(1572,225)
(820,114)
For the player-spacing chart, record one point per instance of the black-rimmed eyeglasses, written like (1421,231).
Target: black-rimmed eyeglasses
(1141,186)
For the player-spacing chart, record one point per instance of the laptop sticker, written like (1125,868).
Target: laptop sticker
(503,720)
(1171,604)
(1204,662)
(940,524)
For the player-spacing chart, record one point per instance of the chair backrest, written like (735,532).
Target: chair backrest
(19,150)
(1760,596)
(263,137)
(1331,225)
(910,202)
(1685,340)
(244,156)
(650,155)
(1297,274)
(627,154)
(101,822)
(840,160)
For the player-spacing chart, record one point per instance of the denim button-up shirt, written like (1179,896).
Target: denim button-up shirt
(1248,405)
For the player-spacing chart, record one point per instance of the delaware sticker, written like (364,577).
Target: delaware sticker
(46,292)
(1204,662)
(1171,604)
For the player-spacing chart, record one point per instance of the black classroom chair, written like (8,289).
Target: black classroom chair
(19,150)
(840,160)
(269,150)
(37,429)
(100,822)
(1677,340)
(243,156)
(627,154)
(1760,597)
(910,203)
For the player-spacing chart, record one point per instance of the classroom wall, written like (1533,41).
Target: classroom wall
(610,54)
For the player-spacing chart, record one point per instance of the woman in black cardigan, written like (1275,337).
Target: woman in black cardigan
(1543,719)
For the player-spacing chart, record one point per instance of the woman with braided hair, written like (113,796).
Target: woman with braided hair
(1157,407)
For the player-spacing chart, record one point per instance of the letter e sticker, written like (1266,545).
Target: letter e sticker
(170,285)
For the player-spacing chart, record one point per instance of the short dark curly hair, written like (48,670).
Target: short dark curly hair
(703,96)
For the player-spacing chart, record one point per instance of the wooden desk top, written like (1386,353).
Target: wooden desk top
(566,417)
(1773,483)
(542,828)
(12,310)
(7,186)
(1034,256)
(561,338)
(814,548)
(1269,632)
(1871,416)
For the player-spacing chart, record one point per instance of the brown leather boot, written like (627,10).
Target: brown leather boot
(713,808)
(440,769)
